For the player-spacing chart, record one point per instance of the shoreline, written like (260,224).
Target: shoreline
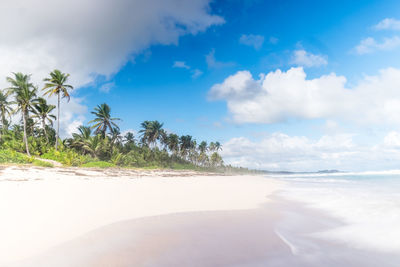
(277,233)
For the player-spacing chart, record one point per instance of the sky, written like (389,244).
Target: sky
(282,84)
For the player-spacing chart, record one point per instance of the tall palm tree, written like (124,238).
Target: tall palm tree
(203,147)
(5,110)
(103,120)
(42,112)
(151,132)
(25,97)
(218,146)
(186,143)
(173,143)
(57,84)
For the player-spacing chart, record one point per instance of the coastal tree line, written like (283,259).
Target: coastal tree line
(99,141)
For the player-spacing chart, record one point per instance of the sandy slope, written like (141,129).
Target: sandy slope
(41,208)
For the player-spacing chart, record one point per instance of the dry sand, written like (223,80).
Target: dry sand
(43,208)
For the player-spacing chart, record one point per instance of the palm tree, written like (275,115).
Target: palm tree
(5,110)
(218,146)
(42,112)
(203,147)
(151,132)
(25,97)
(115,134)
(56,84)
(81,141)
(129,138)
(103,120)
(186,143)
(173,143)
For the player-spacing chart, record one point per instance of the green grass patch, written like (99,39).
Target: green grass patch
(11,156)
(98,164)
(41,163)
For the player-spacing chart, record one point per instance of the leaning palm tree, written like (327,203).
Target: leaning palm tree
(57,84)
(5,110)
(103,120)
(25,97)
(42,112)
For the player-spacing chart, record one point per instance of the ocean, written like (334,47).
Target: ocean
(359,213)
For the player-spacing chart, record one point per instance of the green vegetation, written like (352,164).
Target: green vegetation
(11,156)
(98,164)
(99,144)
(41,163)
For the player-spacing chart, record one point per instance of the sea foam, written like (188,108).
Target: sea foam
(367,203)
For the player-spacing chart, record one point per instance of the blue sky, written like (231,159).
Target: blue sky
(171,62)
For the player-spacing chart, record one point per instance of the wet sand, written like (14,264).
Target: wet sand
(277,235)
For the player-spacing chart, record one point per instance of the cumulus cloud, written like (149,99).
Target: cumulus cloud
(256,41)
(388,24)
(90,38)
(279,151)
(307,59)
(278,96)
(369,45)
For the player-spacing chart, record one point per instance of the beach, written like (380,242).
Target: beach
(118,217)
(44,207)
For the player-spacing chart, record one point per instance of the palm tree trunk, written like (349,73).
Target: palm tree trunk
(44,129)
(25,135)
(58,120)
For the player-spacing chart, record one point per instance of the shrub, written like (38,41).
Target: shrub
(67,157)
(11,156)
(41,163)
(98,164)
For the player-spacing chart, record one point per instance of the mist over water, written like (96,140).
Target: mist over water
(366,206)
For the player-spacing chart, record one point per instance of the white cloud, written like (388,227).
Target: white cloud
(307,59)
(180,64)
(90,38)
(255,41)
(279,96)
(392,139)
(297,153)
(196,73)
(273,40)
(106,88)
(369,45)
(93,37)
(213,63)
(388,24)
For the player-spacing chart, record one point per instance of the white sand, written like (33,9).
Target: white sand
(41,208)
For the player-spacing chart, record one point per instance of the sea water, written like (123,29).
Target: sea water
(365,206)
